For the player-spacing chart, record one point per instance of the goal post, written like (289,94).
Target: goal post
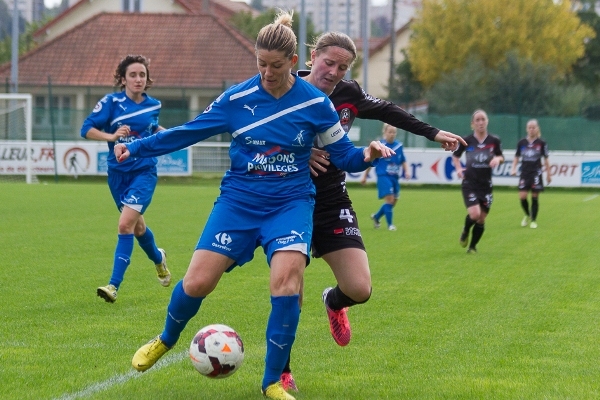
(16,136)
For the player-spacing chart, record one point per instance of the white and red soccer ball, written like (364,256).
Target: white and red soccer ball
(217,351)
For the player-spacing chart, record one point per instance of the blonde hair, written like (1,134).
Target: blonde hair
(385,126)
(333,39)
(278,35)
(538,130)
(479,110)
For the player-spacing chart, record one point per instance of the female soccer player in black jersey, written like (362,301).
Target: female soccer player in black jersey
(336,235)
(483,153)
(531,150)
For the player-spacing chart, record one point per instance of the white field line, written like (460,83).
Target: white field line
(123,378)
(591,197)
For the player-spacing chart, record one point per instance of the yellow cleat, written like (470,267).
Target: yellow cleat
(148,354)
(108,293)
(276,392)
(162,272)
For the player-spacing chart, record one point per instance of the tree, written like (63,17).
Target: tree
(587,69)
(405,89)
(250,26)
(448,32)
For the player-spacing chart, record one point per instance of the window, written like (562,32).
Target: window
(132,6)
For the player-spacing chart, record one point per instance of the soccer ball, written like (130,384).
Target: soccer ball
(217,351)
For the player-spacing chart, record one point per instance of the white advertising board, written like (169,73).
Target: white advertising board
(568,169)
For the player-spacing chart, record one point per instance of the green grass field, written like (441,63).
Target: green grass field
(518,320)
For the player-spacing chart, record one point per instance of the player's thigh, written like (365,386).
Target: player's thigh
(288,228)
(204,272)
(351,269)
(385,186)
(334,230)
(231,230)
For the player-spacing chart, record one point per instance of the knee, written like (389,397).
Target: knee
(364,294)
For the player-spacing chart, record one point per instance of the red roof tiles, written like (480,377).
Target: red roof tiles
(186,51)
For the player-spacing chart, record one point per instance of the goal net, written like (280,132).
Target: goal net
(15,137)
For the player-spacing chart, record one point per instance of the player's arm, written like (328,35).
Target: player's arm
(407,175)
(548,174)
(96,134)
(513,168)
(370,107)
(363,180)
(457,165)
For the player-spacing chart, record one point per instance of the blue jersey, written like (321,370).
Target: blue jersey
(271,138)
(116,109)
(391,165)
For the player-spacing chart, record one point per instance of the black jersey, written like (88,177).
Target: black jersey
(351,102)
(478,157)
(531,154)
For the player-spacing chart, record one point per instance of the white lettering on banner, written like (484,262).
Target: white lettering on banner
(76,157)
(431,166)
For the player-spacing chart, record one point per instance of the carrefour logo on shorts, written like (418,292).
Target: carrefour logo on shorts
(590,172)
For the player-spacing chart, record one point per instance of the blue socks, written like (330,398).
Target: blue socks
(281,332)
(146,242)
(122,259)
(181,309)
(386,209)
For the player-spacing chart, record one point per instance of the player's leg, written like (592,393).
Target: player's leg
(286,240)
(391,200)
(145,238)
(536,188)
(203,274)
(524,187)
(287,268)
(384,188)
(351,269)
(473,211)
(481,211)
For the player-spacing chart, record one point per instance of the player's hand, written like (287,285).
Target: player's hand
(319,160)
(121,152)
(459,173)
(549,179)
(494,162)
(407,176)
(513,173)
(449,141)
(122,132)
(377,150)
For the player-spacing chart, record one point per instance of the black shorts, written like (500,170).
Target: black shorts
(476,194)
(532,181)
(335,229)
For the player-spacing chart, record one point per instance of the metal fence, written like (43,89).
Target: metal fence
(565,134)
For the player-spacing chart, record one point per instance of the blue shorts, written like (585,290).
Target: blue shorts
(235,228)
(134,189)
(388,184)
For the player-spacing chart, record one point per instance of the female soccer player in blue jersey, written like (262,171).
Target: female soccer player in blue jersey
(125,117)
(273,119)
(388,172)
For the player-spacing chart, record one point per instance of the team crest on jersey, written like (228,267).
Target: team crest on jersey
(299,140)
(345,116)
(98,107)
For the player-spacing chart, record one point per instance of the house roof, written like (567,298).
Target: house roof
(220,8)
(186,51)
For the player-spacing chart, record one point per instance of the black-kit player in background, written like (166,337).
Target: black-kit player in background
(483,153)
(336,234)
(531,150)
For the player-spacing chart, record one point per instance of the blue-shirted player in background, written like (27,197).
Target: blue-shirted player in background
(388,173)
(267,196)
(125,117)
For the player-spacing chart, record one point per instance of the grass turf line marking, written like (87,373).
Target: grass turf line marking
(591,197)
(123,378)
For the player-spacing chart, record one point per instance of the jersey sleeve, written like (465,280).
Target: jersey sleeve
(98,118)
(498,147)
(371,107)
(211,122)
